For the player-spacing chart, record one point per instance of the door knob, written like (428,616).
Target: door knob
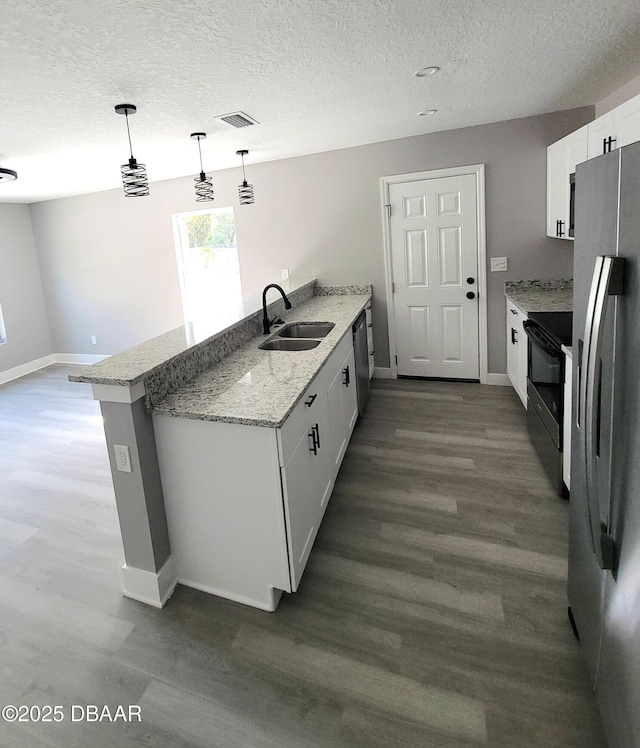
(471,295)
(471,281)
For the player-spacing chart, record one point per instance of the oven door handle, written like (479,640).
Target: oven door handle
(541,339)
(606,282)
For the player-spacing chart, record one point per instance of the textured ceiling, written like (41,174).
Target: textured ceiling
(316,74)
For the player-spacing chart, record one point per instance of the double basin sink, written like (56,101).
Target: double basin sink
(299,336)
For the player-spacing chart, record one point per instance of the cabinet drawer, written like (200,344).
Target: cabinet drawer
(301,416)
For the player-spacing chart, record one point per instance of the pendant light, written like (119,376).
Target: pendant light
(245,190)
(204,184)
(7,175)
(134,175)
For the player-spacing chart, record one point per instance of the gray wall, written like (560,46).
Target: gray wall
(21,294)
(109,263)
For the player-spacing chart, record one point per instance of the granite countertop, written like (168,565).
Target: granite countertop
(541,295)
(261,388)
(138,363)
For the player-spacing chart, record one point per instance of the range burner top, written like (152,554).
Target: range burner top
(557,324)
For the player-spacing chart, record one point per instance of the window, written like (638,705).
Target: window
(207,257)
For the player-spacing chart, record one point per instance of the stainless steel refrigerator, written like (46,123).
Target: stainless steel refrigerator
(604,542)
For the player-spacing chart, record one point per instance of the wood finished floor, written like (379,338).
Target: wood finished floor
(432,611)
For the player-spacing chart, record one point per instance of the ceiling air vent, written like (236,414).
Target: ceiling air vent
(238,119)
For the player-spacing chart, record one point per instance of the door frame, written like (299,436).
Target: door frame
(477,170)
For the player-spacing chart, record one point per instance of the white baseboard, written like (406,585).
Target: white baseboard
(78,358)
(269,606)
(152,588)
(381,372)
(500,379)
(41,363)
(20,371)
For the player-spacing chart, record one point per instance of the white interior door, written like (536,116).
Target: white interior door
(434,258)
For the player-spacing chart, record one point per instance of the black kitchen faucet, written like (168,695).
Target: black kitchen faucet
(266,323)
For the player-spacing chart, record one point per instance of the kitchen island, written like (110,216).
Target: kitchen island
(166,401)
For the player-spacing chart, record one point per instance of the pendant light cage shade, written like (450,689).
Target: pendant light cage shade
(134,179)
(134,175)
(245,190)
(204,188)
(7,175)
(203,183)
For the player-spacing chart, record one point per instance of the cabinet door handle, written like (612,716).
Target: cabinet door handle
(513,311)
(310,401)
(370,324)
(313,446)
(346,380)
(514,335)
(560,229)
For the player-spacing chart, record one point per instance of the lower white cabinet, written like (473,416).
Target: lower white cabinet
(307,480)
(517,358)
(244,503)
(566,425)
(343,410)
(370,340)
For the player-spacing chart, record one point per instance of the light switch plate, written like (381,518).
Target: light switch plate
(123,458)
(498,264)
(284,274)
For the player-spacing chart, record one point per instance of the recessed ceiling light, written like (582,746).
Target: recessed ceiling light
(427,112)
(426,71)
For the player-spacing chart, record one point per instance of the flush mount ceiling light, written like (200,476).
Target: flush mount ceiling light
(134,175)
(427,112)
(204,184)
(426,71)
(245,191)
(7,175)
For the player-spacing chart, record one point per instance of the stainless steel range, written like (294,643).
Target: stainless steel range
(546,333)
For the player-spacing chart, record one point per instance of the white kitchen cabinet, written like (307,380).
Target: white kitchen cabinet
(370,339)
(343,410)
(600,130)
(517,359)
(244,502)
(616,128)
(562,158)
(307,480)
(566,425)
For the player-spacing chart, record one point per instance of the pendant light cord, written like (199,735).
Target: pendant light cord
(200,152)
(126,116)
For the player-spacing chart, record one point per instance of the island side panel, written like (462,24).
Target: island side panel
(223,499)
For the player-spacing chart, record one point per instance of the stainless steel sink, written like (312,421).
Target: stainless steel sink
(291,344)
(306,330)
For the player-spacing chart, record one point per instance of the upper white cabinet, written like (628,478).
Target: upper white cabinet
(617,128)
(562,158)
(601,135)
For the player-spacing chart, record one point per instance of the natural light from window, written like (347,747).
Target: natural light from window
(207,257)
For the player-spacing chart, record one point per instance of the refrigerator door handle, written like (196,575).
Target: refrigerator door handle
(607,281)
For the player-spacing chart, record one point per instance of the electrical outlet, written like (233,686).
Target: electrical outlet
(284,274)
(498,264)
(94,340)
(123,458)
